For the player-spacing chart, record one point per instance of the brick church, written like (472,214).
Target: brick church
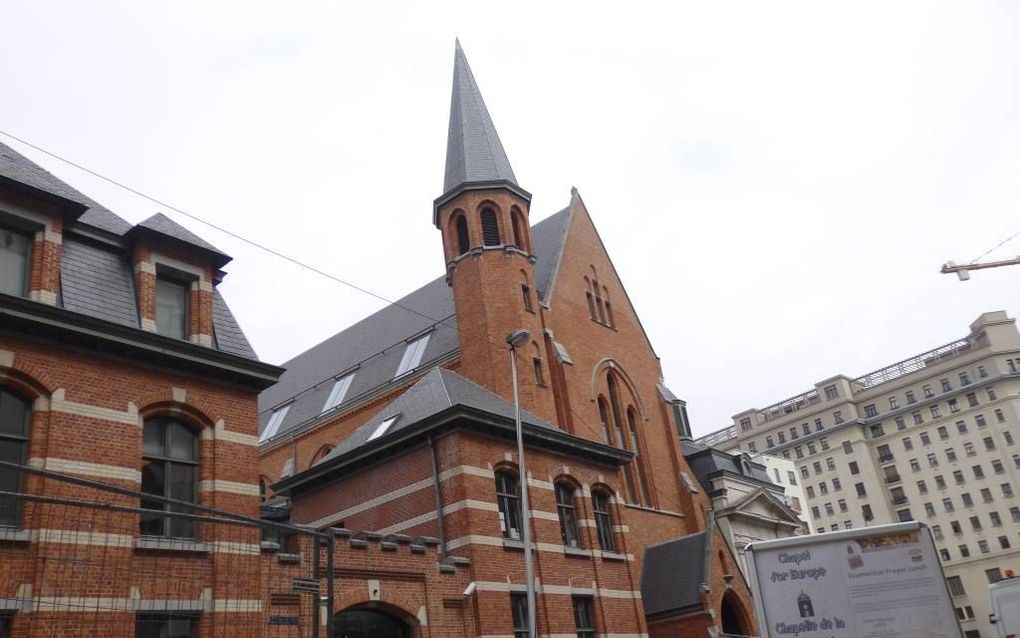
(399,434)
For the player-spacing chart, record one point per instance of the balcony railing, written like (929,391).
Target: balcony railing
(885,458)
(895,478)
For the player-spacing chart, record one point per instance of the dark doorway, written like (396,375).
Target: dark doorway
(368,623)
(733,617)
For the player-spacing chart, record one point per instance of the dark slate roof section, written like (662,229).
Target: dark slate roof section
(672,574)
(374,346)
(548,238)
(97,282)
(17,167)
(473,150)
(706,462)
(438,390)
(168,228)
(229,336)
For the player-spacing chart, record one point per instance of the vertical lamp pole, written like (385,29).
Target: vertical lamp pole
(518,338)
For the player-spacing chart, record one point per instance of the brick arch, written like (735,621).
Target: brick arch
(163,402)
(453,237)
(31,384)
(600,369)
(394,604)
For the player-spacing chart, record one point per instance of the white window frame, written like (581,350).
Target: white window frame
(412,355)
(273,425)
(383,427)
(338,392)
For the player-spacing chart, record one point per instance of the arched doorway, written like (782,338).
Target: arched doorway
(734,618)
(369,623)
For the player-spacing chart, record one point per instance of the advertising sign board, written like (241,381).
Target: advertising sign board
(876,582)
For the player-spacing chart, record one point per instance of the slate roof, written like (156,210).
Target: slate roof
(474,152)
(166,227)
(672,574)
(374,346)
(437,391)
(96,277)
(705,462)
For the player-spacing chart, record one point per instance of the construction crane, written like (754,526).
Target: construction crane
(963,270)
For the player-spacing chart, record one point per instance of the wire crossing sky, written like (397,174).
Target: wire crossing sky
(777,185)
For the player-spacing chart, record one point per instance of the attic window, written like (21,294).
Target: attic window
(412,356)
(383,427)
(172,307)
(339,391)
(15,257)
(274,424)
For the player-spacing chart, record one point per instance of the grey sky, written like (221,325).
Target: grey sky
(777,182)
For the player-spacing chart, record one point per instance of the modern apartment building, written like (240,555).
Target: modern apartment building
(931,438)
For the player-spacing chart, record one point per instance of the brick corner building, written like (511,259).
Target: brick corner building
(120,364)
(399,431)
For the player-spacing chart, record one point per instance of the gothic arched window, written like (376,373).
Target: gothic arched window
(15,422)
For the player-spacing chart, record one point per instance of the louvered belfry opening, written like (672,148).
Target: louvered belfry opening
(490,227)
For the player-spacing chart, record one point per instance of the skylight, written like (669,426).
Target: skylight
(412,356)
(339,391)
(383,427)
(274,424)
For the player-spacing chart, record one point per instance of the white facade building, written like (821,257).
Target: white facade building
(931,438)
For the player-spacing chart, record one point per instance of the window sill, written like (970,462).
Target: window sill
(15,535)
(165,544)
(577,552)
(510,543)
(269,546)
(285,558)
(613,556)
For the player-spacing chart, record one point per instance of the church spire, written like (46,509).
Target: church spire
(474,154)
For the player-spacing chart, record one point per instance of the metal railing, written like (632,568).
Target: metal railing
(913,364)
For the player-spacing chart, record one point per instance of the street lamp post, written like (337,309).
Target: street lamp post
(515,339)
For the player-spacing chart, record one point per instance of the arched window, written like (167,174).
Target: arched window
(463,241)
(169,470)
(638,460)
(517,224)
(621,438)
(321,454)
(568,518)
(599,305)
(590,298)
(15,423)
(536,363)
(508,498)
(604,419)
(262,489)
(526,292)
(490,227)
(603,520)
(609,308)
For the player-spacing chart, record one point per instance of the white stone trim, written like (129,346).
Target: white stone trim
(6,359)
(127,417)
(219,432)
(81,604)
(47,297)
(81,537)
(618,593)
(84,468)
(229,487)
(157,259)
(148,325)
(238,605)
(145,266)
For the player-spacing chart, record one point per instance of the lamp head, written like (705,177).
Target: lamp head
(518,337)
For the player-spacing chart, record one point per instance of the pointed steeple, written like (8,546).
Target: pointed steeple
(474,153)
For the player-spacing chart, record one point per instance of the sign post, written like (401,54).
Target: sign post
(876,582)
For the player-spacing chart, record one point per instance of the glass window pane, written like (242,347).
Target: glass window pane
(14,248)
(182,482)
(171,308)
(10,480)
(182,441)
(152,438)
(13,415)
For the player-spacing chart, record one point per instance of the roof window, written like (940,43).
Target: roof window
(412,356)
(274,424)
(383,427)
(339,391)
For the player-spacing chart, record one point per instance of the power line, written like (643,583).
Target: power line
(998,245)
(241,238)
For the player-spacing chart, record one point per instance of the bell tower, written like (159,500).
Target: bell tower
(483,216)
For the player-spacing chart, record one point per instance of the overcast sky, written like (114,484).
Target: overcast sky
(777,183)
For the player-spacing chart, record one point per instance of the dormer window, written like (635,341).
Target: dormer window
(339,391)
(412,355)
(172,307)
(15,252)
(274,423)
